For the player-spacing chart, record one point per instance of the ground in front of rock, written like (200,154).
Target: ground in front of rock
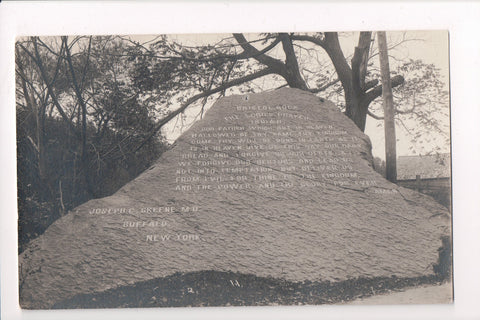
(425,294)
(213,288)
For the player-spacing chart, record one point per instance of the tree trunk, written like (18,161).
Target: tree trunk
(357,92)
(38,113)
(352,79)
(389,120)
(292,76)
(359,108)
(83,111)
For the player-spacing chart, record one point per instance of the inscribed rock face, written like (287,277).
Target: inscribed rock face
(278,184)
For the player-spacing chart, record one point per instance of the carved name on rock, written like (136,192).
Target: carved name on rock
(275,184)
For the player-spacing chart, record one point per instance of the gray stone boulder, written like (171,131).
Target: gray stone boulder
(277,184)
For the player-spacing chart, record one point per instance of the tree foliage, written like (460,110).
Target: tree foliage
(78,120)
(295,60)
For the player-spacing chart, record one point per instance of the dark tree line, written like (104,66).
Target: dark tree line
(78,122)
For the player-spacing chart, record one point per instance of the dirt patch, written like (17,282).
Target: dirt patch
(426,294)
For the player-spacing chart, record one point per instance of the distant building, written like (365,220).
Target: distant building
(427,174)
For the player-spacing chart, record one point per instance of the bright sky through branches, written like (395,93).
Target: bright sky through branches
(429,46)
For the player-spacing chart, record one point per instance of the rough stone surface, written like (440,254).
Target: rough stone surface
(276,184)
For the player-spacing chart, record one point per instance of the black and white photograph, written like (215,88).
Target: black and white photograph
(233,169)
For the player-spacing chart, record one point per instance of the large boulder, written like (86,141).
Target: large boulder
(278,184)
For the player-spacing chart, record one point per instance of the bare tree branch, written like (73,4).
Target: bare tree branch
(38,61)
(242,56)
(227,76)
(78,93)
(292,71)
(196,97)
(371,84)
(359,61)
(377,91)
(311,39)
(324,87)
(275,65)
(374,116)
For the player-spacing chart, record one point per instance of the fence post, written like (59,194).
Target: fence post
(417,182)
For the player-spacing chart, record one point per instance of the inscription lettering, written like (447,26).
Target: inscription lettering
(236,157)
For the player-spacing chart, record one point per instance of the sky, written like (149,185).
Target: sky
(432,47)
